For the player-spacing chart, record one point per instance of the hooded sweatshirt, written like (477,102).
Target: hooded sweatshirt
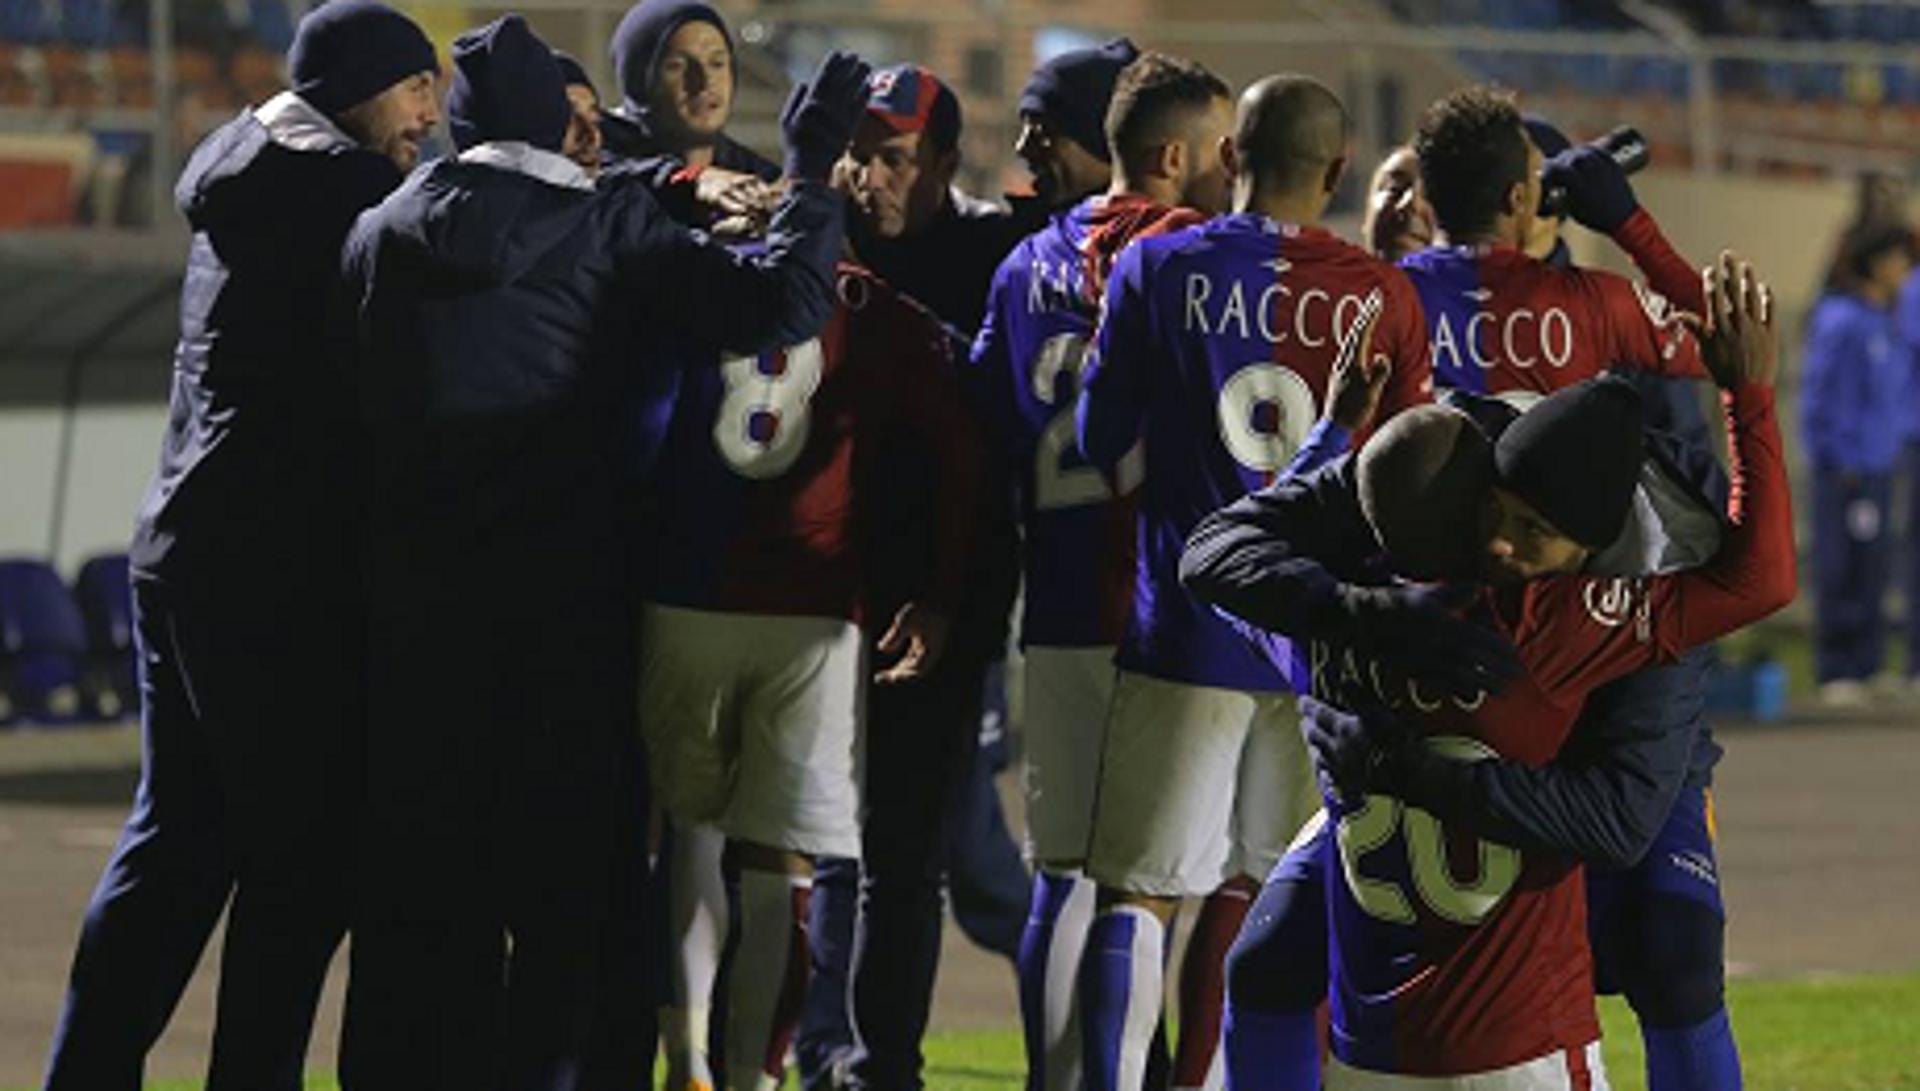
(258,465)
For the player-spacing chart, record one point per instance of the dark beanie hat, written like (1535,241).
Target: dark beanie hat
(572,72)
(1575,457)
(506,86)
(1071,92)
(642,36)
(1545,136)
(348,51)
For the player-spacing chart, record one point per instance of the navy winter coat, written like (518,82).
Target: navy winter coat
(258,468)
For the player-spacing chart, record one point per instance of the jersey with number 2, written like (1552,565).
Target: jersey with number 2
(1214,353)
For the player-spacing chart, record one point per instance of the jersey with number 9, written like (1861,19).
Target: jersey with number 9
(1215,356)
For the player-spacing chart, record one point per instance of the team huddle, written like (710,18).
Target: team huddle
(639,520)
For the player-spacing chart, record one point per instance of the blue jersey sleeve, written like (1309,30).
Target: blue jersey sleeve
(1113,402)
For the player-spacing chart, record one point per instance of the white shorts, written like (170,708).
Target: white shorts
(1062,720)
(1197,786)
(754,724)
(1553,1072)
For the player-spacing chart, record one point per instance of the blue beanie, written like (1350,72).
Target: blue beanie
(1071,92)
(506,86)
(642,36)
(348,51)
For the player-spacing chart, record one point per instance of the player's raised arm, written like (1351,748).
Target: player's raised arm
(1600,198)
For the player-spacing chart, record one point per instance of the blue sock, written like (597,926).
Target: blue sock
(1121,978)
(1701,1057)
(1272,1050)
(1049,965)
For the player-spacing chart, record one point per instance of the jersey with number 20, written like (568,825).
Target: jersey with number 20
(1214,353)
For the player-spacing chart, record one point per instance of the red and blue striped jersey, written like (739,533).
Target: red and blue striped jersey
(1214,354)
(764,481)
(1027,364)
(1505,324)
(1454,955)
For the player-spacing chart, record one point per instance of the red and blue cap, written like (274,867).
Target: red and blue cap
(909,99)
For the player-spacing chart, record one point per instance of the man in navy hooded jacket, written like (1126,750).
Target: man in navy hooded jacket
(246,600)
(502,297)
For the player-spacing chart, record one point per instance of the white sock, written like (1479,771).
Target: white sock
(1122,983)
(766,977)
(697,908)
(1061,1004)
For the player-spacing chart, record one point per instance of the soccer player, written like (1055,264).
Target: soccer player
(753,664)
(1856,408)
(1063,114)
(1399,221)
(1213,344)
(1505,323)
(1167,122)
(245,590)
(503,298)
(674,61)
(1262,559)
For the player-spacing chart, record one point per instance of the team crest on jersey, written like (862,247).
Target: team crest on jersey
(1616,602)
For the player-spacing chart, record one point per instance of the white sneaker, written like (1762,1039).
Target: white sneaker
(1845,693)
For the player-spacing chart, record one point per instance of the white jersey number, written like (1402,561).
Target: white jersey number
(1055,484)
(1265,412)
(763,421)
(1373,826)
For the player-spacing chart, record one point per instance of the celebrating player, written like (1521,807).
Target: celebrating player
(1214,342)
(244,582)
(502,298)
(1167,122)
(1263,559)
(1508,324)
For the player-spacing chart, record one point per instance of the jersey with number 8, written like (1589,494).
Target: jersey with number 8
(1215,355)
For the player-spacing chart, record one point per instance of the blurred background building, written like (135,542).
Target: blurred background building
(1762,115)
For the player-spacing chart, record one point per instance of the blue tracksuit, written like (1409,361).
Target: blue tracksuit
(247,616)
(1908,312)
(502,304)
(1856,411)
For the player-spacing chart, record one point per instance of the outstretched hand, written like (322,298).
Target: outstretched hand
(820,115)
(1736,335)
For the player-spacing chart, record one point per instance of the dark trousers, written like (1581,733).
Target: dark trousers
(1852,557)
(874,967)
(1913,560)
(501,839)
(250,716)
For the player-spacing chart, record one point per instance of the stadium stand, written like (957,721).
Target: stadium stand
(43,645)
(104,592)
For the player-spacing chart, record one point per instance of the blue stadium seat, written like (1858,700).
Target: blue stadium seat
(87,23)
(43,644)
(104,591)
(272,23)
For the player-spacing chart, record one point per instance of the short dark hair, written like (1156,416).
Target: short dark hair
(1867,243)
(1422,481)
(1153,97)
(1472,151)
(1291,127)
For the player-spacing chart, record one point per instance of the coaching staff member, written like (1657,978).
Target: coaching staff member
(246,602)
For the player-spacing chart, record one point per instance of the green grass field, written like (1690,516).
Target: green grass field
(1855,1034)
